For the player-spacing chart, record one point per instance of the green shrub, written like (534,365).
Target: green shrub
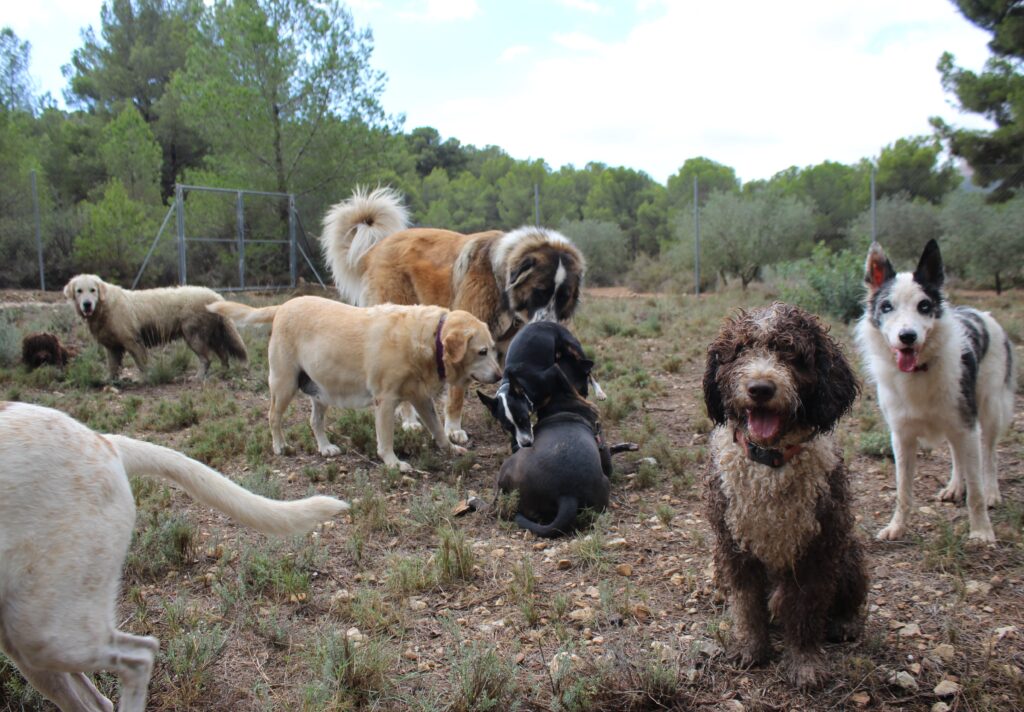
(826,283)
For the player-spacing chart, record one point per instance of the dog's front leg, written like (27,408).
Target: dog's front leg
(905,453)
(428,415)
(453,415)
(114,358)
(801,602)
(316,422)
(385,422)
(967,461)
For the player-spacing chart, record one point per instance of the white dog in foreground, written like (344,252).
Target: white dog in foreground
(943,373)
(66,519)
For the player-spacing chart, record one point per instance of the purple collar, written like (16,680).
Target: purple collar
(439,348)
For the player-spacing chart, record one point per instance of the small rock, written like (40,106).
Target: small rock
(946,688)
(662,651)
(731,706)
(861,699)
(910,630)
(677,580)
(940,707)
(616,543)
(582,615)
(563,564)
(476,504)
(540,546)
(707,648)
(944,652)
(561,664)
(977,588)
(641,612)
(903,679)
(410,655)
(417,604)
(593,592)
(648,461)
(1007,631)
(624,570)
(355,636)
(423,666)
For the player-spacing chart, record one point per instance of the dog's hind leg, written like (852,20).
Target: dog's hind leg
(282,390)
(966,447)
(70,691)
(114,359)
(990,467)
(197,342)
(453,415)
(316,422)
(408,415)
(905,453)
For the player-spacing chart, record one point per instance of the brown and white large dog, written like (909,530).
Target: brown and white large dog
(352,357)
(777,491)
(126,320)
(505,279)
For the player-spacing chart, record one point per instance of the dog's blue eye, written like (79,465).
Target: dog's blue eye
(925,306)
(886,307)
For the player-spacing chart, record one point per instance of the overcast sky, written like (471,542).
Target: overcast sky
(758,86)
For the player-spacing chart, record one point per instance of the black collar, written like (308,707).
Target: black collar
(439,348)
(763,455)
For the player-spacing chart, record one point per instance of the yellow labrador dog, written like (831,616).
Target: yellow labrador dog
(66,519)
(353,357)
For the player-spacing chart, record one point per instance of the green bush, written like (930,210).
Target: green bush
(826,283)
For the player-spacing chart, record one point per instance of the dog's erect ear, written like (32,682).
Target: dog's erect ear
(836,388)
(878,269)
(712,395)
(929,269)
(521,270)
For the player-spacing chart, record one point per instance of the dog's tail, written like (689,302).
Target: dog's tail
(561,524)
(215,490)
(243,313)
(355,225)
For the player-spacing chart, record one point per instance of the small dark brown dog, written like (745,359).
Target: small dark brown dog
(44,349)
(777,496)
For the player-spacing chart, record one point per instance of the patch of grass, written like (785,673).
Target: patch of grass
(15,692)
(358,426)
(167,541)
(263,482)
(370,510)
(190,658)
(173,415)
(217,442)
(168,366)
(107,415)
(946,551)
(351,672)
(874,444)
(407,575)
(482,679)
(647,476)
(454,558)
(371,612)
(10,343)
(262,572)
(665,513)
(433,507)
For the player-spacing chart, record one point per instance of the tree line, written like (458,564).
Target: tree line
(281,95)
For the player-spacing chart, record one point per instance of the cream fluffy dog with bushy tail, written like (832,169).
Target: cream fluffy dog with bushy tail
(66,519)
(134,320)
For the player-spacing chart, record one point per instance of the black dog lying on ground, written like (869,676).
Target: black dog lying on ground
(540,357)
(568,466)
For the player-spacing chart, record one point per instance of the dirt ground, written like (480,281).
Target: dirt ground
(622,616)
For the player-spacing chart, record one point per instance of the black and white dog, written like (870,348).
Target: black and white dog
(943,373)
(540,357)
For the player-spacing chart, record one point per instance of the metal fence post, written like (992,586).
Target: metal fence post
(240,224)
(179,204)
(39,232)
(293,266)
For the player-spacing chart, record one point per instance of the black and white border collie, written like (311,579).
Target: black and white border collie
(943,373)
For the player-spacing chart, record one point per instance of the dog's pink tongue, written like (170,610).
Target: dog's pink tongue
(763,424)
(906,360)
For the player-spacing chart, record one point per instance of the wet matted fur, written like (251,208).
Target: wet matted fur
(777,494)
(133,321)
(503,279)
(353,357)
(944,373)
(66,519)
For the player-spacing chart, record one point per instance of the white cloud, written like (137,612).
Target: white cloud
(585,6)
(738,84)
(441,10)
(514,52)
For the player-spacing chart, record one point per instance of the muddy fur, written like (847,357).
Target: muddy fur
(124,320)
(784,542)
(44,349)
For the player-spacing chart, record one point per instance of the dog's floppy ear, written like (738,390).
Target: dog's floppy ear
(521,270)
(455,343)
(68,289)
(490,403)
(578,356)
(878,269)
(929,269)
(836,387)
(712,395)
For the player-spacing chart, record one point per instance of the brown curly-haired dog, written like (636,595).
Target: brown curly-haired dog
(776,491)
(42,349)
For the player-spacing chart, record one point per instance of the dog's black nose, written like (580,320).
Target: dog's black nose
(761,391)
(908,336)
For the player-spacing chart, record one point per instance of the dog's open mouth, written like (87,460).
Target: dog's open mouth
(906,360)
(763,424)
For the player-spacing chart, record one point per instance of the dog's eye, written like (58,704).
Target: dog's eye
(885,307)
(924,307)
(483,351)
